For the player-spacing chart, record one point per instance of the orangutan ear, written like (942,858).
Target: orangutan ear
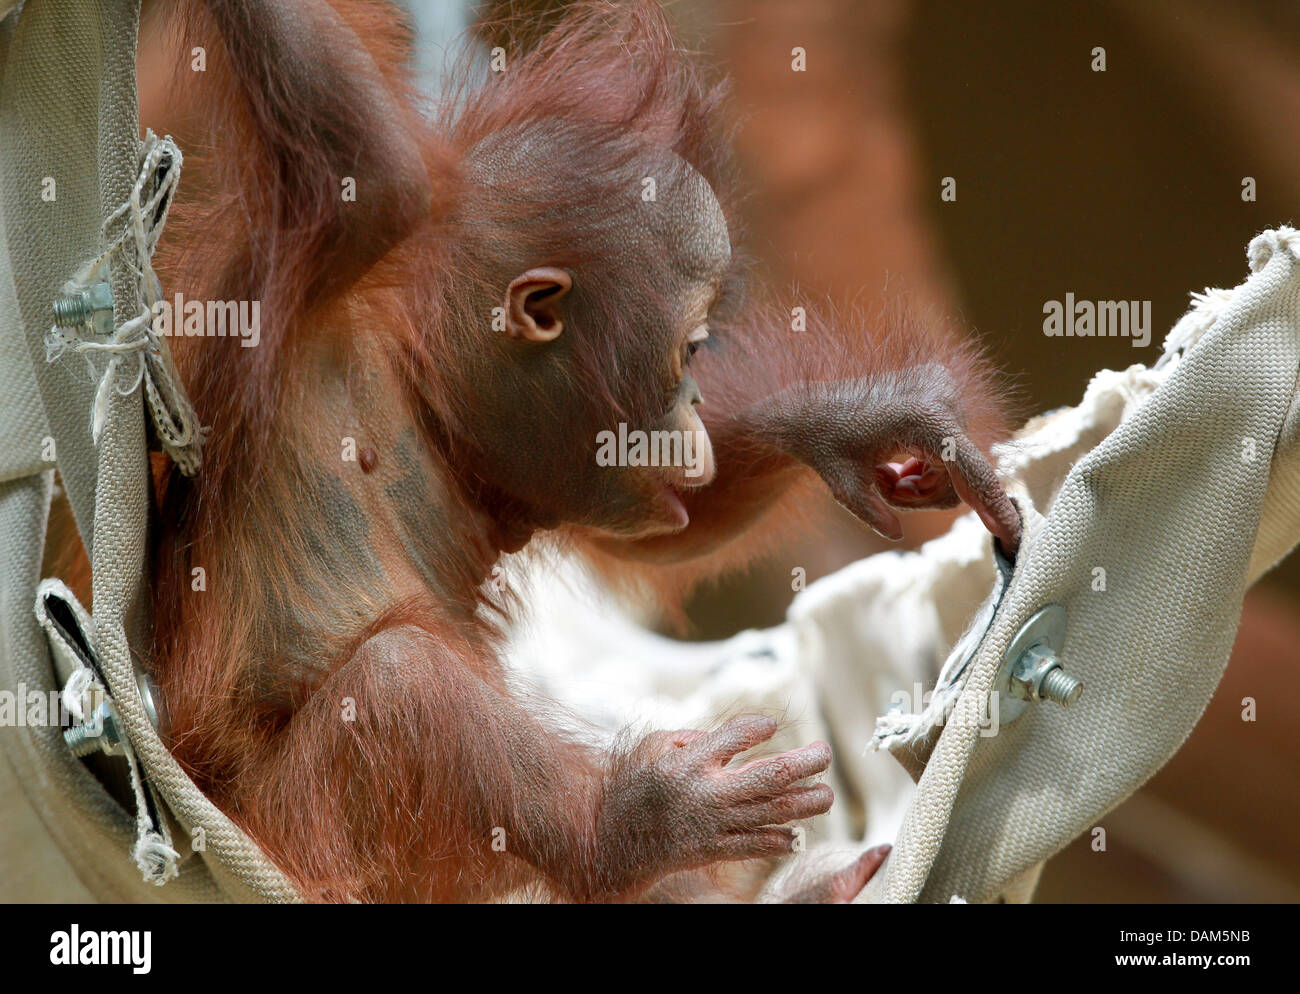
(533,311)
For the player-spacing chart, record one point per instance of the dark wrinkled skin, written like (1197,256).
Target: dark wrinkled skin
(849,433)
(674,804)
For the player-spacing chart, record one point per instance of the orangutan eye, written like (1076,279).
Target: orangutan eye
(693,340)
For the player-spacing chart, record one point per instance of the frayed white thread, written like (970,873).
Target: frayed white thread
(1200,318)
(1264,245)
(156,859)
(75,694)
(153,853)
(1209,305)
(898,729)
(173,417)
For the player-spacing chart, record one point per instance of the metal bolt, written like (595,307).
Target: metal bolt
(1038,676)
(1031,667)
(93,307)
(103,731)
(1060,687)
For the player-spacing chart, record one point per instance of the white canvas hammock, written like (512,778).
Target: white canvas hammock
(68,114)
(1149,509)
(1178,482)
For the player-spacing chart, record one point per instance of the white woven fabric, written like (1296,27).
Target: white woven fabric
(68,111)
(1180,482)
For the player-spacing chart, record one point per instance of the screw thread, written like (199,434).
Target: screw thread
(72,310)
(80,742)
(1060,687)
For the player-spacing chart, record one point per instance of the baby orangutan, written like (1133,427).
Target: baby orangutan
(545,261)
